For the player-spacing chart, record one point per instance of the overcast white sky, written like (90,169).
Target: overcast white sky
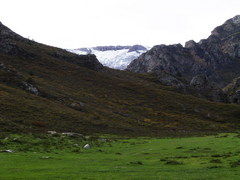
(86,23)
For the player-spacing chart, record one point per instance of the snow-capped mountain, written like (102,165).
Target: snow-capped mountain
(117,57)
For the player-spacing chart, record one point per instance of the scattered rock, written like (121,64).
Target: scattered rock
(46,157)
(77,106)
(71,134)
(30,88)
(7,151)
(52,132)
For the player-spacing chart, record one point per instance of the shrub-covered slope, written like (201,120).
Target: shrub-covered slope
(45,88)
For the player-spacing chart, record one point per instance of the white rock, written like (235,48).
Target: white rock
(70,134)
(8,151)
(87,146)
(52,132)
(45,157)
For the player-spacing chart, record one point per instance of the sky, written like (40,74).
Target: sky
(87,23)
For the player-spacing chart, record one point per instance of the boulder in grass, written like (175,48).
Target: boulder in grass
(71,134)
(7,151)
(52,132)
(87,146)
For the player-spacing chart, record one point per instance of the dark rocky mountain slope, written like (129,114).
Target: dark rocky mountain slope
(217,58)
(46,88)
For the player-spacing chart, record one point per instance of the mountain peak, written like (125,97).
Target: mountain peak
(213,56)
(236,19)
(230,27)
(6,33)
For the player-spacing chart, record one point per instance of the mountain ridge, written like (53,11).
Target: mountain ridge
(217,57)
(43,88)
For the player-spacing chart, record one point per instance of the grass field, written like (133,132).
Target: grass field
(209,157)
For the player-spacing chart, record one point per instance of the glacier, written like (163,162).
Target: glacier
(116,57)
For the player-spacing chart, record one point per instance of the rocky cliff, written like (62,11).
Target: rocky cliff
(217,57)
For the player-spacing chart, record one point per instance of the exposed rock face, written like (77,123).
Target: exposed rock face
(233,90)
(207,89)
(235,98)
(190,44)
(11,77)
(217,57)
(211,57)
(173,59)
(30,88)
(199,86)
(169,80)
(79,106)
(229,28)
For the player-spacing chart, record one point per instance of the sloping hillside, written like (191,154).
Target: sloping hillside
(45,88)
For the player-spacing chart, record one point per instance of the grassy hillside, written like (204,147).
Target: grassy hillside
(77,94)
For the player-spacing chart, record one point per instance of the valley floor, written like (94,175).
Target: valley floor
(209,157)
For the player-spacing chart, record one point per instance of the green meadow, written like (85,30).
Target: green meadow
(63,157)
